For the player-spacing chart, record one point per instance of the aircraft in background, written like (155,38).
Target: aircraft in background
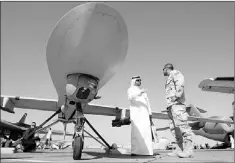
(218,84)
(14,131)
(84,51)
(222,85)
(210,130)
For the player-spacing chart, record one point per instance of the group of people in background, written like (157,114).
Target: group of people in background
(141,115)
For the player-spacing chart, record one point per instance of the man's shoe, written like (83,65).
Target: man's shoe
(185,154)
(133,154)
(175,152)
(188,150)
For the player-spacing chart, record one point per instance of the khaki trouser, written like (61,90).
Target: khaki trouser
(178,125)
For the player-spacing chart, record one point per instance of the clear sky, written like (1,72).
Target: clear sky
(197,37)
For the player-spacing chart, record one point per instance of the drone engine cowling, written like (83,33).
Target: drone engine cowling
(218,128)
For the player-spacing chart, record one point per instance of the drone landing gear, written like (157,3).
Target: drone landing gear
(77,147)
(78,142)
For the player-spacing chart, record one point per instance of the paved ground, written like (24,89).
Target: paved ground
(98,155)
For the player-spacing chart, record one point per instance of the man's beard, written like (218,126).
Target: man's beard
(165,74)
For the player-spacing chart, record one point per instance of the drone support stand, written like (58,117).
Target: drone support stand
(97,133)
(44,128)
(94,138)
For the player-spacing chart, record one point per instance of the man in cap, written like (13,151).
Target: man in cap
(175,99)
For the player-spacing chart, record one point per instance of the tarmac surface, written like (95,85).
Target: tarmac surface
(99,155)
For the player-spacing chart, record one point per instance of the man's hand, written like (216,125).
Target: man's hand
(173,99)
(179,91)
(97,97)
(143,90)
(169,112)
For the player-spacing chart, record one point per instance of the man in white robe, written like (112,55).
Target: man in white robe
(140,115)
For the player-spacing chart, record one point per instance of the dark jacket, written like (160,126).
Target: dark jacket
(29,134)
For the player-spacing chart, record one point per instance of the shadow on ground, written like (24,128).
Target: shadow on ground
(119,156)
(7,157)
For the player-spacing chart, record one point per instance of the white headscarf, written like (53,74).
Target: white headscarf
(133,80)
(133,89)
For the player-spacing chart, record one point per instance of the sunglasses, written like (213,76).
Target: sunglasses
(139,80)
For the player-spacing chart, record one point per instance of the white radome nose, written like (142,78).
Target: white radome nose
(90,39)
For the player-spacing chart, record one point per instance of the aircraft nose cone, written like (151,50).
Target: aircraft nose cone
(90,39)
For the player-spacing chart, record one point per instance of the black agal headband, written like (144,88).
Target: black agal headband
(135,77)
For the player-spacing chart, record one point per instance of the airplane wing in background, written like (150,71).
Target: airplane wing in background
(11,102)
(10,126)
(190,118)
(200,119)
(113,111)
(7,110)
(219,84)
(194,125)
(162,129)
(51,105)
